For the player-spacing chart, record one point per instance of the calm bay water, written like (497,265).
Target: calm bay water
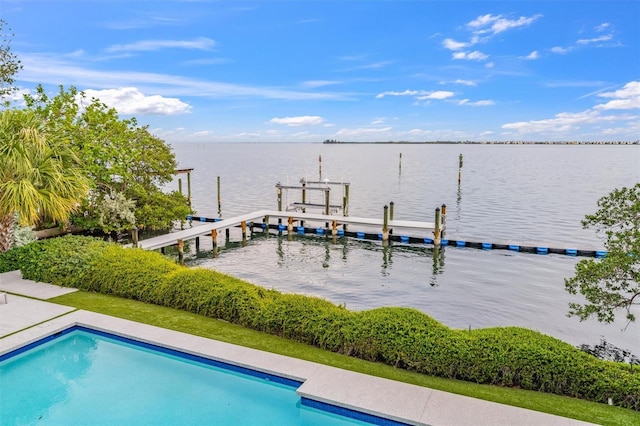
(524,194)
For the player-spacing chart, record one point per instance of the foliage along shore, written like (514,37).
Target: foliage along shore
(401,337)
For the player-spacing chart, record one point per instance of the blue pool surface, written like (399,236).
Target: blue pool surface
(87,377)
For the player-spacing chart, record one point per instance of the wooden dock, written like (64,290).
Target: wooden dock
(265,216)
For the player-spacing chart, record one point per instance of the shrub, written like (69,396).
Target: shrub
(9,260)
(307,319)
(63,261)
(131,273)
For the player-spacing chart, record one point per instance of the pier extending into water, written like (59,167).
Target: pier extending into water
(384,229)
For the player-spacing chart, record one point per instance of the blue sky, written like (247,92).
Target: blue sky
(306,71)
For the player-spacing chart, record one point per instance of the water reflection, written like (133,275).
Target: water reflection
(292,248)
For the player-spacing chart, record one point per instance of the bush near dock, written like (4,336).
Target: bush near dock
(402,337)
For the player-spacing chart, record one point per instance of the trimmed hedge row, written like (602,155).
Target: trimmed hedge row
(402,337)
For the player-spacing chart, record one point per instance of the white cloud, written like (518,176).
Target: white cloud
(626,98)
(201,43)
(320,83)
(378,121)
(533,55)
(476,103)
(562,122)
(405,93)
(362,131)
(418,94)
(560,50)
(497,24)
(454,45)
(438,94)
(131,101)
(607,37)
(602,27)
(303,120)
(50,69)
(465,82)
(473,56)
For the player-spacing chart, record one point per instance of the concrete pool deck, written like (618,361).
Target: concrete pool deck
(24,320)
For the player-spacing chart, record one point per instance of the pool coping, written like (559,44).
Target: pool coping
(389,399)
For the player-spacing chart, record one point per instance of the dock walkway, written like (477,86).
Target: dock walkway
(260,215)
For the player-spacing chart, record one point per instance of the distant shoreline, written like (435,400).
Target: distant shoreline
(334,142)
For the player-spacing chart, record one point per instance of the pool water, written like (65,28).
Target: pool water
(82,377)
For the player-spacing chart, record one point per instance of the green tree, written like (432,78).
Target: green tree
(123,161)
(612,283)
(9,62)
(40,178)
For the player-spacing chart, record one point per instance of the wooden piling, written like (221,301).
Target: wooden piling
(197,244)
(290,224)
(279,192)
(219,200)
(214,238)
(326,201)
(391,206)
(181,252)
(304,195)
(243,226)
(134,236)
(334,228)
(443,212)
(319,167)
(345,204)
(400,165)
(436,231)
(180,185)
(189,188)
(385,224)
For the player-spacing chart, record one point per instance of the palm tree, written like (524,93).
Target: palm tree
(40,177)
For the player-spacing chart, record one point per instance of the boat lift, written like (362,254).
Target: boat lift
(324,186)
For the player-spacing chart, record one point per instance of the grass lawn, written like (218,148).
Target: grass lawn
(219,330)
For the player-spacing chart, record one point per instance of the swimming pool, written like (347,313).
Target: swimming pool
(83,376)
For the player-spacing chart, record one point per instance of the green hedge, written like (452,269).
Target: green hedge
(402,337)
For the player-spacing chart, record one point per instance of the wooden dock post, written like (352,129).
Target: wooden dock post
(436,231)
(219,200)
(326,201)
(400,165)
(189,188)
(304,197)
(180,185)
(391,206)
(345,204)
(385,225)
(459,168)
(243,226)
(134,236)
(290,224)
(279,192)
(334,228)
(214,242)
(319,167)
(266,222)
(197,244)
(181,252)
(444,219)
